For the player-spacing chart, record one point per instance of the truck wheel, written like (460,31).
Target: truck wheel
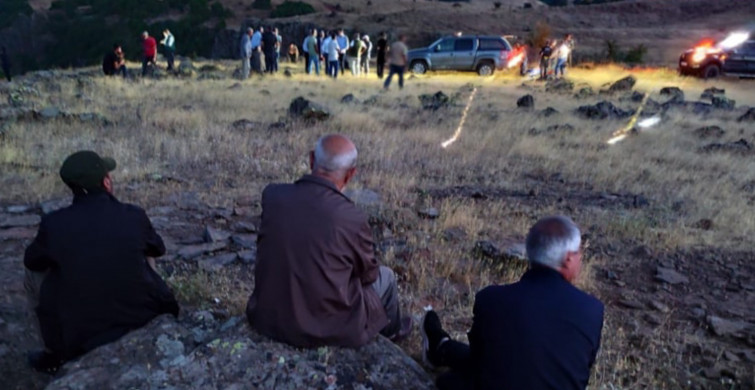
(419,67)
(485,69)
(711,71)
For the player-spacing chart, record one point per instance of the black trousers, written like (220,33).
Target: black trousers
(306,62)
(170,57)
(269,62)
(342,62)
(380,66)
(455,355)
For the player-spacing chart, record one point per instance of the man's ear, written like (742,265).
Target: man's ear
(107,183)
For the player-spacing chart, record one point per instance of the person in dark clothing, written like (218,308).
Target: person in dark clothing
(91,267)
(269,46)
(545,59)
(114,62)
(382,49)
(538,333)
(5,64)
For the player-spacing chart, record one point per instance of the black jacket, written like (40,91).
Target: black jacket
(99,285)
(539,333)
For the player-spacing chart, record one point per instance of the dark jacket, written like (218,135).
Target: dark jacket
(539,333)
(99,285)
(315,268)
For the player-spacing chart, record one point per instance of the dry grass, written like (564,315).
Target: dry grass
(182,129)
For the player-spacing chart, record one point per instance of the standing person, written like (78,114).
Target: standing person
(545,58)
(293,53)
(382,49)
(366,56)
(269,44)
(320,48)
(169,41)
(256,60)
(569,39)
(398,61)
(562,58)
(343,44)
(317,281)
(246,53)
(324,53)
(305,49)
(354,53)
(314,56)
(90,270)
(5,64)
(149,50)
(278,45)
(114,62)
(333,51)
(541,332)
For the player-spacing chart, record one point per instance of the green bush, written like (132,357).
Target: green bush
(262,4)
(292,8)
(10,9)
(635,55)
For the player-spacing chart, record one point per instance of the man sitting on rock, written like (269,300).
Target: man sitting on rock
(317,281)
(538,333)
(90,272)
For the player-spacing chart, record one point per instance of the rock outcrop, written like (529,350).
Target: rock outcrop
(201,353)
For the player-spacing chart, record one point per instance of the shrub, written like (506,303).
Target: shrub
(636,55)
(539,35)
(262,4)
(292,8)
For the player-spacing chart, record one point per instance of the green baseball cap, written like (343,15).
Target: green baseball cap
(85,169)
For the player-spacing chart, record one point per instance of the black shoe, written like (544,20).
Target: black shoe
(433,336)
(44,361)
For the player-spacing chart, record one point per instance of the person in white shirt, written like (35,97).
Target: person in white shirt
(333,50)
(563,56)
(366,56)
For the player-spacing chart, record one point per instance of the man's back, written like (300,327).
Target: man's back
(315,267)
(269,41)
(398,53)
(538,333)
(99,285)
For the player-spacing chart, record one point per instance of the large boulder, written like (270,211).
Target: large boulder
(673,93)
(603,110)
(304,109)
(526,102)
(434,102)
(204,354)
(748,116)
(623,85)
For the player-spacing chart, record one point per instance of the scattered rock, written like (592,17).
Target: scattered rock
(712,92)
(732,357)
(215,263)
(625,84)
(584,92)
(371,101)
(51,205)
(234,357)
(512,249)
(247,125)
(245,227)
(212,234)
(659,306)
(429,213)
(305,109)
(526,101)
(18,209)
(246,241)
(641,252)
(248,256)
(603,110)
(190,252)
(49,113)
(236,86)
(652,319)
(287,73)
(186,68)
(673,93)
(703,224)
(559,86)
(454,234)
(639,201)
(724,327)
(709,132)
(739,147)
(552,129)
(9,221)
(277,125)
(363,197)
(347,99)
(548,112)
(434,102)
(697,108)
(723,103)
(631,303)
(670,276)
(748,116)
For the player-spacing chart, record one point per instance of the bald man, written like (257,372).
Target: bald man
(317,282)
(538,333)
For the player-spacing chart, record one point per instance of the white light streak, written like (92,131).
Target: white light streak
(459,129)
(649,122)
(734,39)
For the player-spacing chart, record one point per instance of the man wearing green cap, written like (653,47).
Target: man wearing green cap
(96,255)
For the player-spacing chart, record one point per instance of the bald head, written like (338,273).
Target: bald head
(334,154)
(551,239)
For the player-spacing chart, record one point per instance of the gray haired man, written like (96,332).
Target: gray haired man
(538,333)
(317,282)
(246,52)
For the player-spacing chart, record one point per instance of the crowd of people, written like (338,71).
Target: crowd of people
(317,283)
(114,62)
(555,56)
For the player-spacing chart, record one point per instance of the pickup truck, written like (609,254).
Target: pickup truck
(483,54)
